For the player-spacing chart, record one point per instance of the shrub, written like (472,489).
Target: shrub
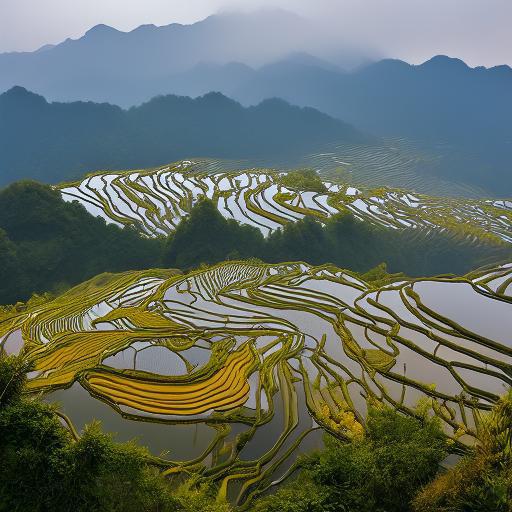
(380,472)
(303,179)
(481,481)
(44,469)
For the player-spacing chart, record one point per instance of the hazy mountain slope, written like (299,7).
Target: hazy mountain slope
(440,101)
(126,68)
(58,141)
(441,98)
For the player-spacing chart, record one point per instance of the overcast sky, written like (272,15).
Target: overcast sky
(478,31)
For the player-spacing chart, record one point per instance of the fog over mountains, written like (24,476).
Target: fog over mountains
(131,67)
(267,54)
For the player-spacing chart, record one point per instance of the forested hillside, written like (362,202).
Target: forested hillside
(47,244)
(60,141)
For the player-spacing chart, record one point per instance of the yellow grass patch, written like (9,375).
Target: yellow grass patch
(226,389)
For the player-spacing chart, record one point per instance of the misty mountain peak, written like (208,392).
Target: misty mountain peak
(443,62)
(19,92)
(19,97)
(101,30)
(385,66)
(141,29)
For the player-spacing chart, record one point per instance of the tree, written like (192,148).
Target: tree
(47,244)
(11,276)
(44,468)
(207,237)
(381,472)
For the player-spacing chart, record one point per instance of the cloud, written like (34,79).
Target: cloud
(477,31)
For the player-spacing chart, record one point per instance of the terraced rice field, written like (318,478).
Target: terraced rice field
(265,356)
(394,162)
(417,166)
(155,201)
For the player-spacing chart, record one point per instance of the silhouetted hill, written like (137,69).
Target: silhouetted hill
(126,68)
(57,141)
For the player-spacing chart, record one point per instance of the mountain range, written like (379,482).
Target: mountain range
(59,141)
(442,101)
(253,57)
(125,68)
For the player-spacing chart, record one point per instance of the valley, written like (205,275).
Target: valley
(255,256)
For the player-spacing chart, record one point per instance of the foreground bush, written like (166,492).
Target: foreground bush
(43,468)
(482,481)
(382,472)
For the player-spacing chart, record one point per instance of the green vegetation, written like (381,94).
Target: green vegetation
(396,468)
(383,471)
(47,244)
(48,467)
(207,237)
(303,179)
(481,481)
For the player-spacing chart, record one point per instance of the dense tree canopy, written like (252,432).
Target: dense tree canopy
(381,472)
(47,244)
(303,179)
(207,237)
(44,468)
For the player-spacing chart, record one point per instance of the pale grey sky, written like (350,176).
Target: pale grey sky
(478,31)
